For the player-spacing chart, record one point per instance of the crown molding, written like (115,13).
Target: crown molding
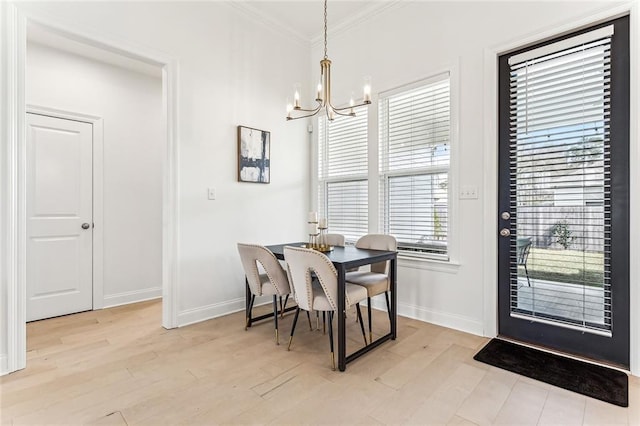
(255,15)
(375,8)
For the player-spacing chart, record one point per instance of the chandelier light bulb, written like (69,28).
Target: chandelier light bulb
(296,96)
(367,90)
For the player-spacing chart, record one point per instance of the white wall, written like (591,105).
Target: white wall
(415,40)
(130,104)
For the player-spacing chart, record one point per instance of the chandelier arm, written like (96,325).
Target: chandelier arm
(348,114)
(316,109)
(312,112)
(350,107)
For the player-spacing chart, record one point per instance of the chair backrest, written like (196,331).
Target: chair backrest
(378,242)
(300,263)
(253,254)
(523,245)
(334,239)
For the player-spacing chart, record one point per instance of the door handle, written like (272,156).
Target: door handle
(504,232)
(85,225)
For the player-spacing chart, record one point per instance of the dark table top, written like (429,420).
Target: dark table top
(342,256)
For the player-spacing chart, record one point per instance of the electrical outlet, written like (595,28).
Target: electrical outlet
(211,193)
(469,192)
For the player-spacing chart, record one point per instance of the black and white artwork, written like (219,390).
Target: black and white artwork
(253,155)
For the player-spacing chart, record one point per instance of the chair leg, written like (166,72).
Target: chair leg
(293,328)
(333,358)
(386,297)
(324,323)
(527,273)
(275,315)
(309,318)
(317,320)
(369,314)
(283,307)
(359,312)
(248,323)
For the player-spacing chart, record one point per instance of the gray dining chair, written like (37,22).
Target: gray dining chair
(377,280)
(334,239)
(273,281)
(320,294)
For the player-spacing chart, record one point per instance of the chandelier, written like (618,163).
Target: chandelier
(323,96)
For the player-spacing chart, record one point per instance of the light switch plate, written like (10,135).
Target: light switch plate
(469,192)
(211,193)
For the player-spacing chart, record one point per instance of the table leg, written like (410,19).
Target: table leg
(247,309)
(394,298)
(342,338)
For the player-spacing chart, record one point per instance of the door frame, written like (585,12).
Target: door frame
(15,18)
(490,175)
(97,166)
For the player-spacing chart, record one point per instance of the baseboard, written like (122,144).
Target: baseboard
(444,319)
(456,322)
(4,364)
(210,311)
(132,297)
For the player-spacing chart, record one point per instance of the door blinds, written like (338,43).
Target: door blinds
(560,183)
(342,174)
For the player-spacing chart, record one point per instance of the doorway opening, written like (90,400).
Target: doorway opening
(17,218)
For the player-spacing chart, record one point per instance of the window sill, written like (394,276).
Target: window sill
(416,262)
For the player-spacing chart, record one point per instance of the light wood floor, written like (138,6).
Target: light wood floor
(118,366)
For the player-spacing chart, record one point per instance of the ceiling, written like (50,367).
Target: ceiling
(305,18)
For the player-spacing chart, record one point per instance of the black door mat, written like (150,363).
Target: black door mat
(605,384)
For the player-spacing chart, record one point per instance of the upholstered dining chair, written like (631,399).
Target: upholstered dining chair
(376,281)
(272,282)
(334,239)
(320,294)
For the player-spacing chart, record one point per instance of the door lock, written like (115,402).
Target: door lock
(85,225)
(504,232)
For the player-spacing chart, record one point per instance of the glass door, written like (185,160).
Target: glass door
(564,194)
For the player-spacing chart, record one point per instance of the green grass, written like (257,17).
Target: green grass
(567,266)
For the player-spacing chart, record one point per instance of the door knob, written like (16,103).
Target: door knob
(85,225)
(504,232)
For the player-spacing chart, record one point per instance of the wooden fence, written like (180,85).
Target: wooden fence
(585,226)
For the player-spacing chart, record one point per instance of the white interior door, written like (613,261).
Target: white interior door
(59,217)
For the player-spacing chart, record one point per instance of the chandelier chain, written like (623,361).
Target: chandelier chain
(325,29)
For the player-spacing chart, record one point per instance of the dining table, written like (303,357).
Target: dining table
(345,259)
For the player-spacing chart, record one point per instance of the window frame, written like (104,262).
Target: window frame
(324,182)
(451,170)
(413,260)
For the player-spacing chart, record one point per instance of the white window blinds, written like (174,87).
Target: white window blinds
(560,181)
(415,133)
(342,174)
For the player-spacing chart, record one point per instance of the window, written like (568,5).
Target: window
(414,142)
(343,174)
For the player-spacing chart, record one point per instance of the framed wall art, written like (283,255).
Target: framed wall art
(253,155)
